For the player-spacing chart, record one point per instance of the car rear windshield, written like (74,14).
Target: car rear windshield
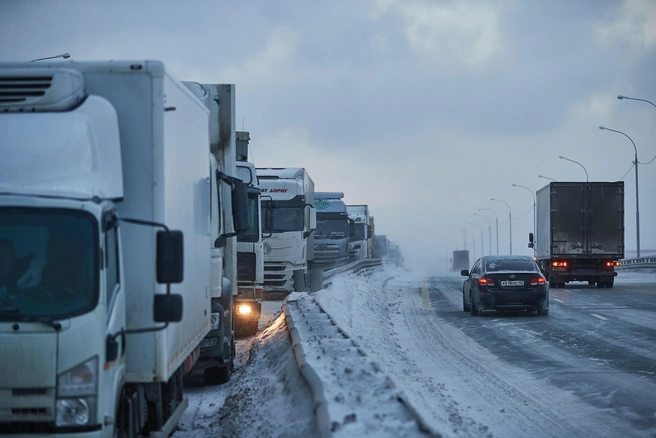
(509,265)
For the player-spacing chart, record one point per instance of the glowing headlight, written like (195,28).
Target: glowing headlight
(244,309)
(77,390)
(215,320)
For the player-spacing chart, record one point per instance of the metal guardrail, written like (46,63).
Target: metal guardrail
(637,264)
(353,267)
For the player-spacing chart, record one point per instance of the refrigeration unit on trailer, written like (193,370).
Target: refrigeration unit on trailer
(104,191)
(288,224)
(359,247)
(580,232)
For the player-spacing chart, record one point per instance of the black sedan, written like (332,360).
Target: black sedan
(505,282)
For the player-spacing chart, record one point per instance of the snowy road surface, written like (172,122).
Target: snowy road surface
(587,369)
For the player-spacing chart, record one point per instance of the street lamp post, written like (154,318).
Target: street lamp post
(63,55)
(620,97)
(586,172)
(546,177)
(509,220)
(497,225)
(489,231)
(473,240)
(635,163)
(534,213)
(482,245)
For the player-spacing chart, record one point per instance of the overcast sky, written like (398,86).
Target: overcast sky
(423,109)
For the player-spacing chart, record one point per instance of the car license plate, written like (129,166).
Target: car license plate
(512,283)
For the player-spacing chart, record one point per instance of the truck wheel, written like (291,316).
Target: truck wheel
(591,282)
(216,375)
(609,284)
(553,284)
(600,284)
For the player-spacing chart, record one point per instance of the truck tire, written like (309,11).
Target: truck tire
(316,279)
(300,283)
(216,375)
(600,284)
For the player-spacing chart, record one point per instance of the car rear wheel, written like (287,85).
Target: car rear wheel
(542,311)
(465,307)
(473,310)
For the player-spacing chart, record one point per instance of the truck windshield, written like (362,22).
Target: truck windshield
(48,263)
(331,228)
(253,233)
(281,219)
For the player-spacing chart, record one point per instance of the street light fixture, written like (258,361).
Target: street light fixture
(586,172)
(497,225)
(546,177)
(482,245)
(473,240)
(63,55)
(489,231)
(635,163)
(509,220)
(620,97)
(534,213)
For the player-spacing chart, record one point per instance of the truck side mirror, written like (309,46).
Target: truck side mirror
(167,308)
(170,257)
(313,218)
(240,207)
(530,240)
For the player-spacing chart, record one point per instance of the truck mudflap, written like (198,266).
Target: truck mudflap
(191,360)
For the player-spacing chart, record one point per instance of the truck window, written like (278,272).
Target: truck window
(54,268)
(111,265)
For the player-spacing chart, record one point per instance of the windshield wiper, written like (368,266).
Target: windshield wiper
(49,322)
(44,320)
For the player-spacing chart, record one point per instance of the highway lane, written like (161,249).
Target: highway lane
(595,352)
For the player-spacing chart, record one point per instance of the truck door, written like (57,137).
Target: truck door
(606,218)
(568,220)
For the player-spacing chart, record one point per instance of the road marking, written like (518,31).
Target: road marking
(599,316)
(556,299)
(424,294)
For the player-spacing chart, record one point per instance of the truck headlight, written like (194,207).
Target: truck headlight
(244,309)
(77,391)
(215,321)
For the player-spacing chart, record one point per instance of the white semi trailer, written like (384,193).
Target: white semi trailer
(100,318)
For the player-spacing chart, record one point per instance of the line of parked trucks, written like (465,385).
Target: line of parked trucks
(137,241)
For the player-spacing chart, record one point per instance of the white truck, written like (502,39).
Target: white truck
(288,223)
(361,243)
(334,229)
(100,161)
(217,350)
(250,249)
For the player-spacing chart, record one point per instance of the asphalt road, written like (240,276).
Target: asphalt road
(587,369)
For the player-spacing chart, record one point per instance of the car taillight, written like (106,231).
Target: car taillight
(536,281)
(485,281)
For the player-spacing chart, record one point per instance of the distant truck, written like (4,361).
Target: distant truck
(334,229)
(288,224)
(105,197)
(580,232)
(360,243)
(460,260)
(381,246)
